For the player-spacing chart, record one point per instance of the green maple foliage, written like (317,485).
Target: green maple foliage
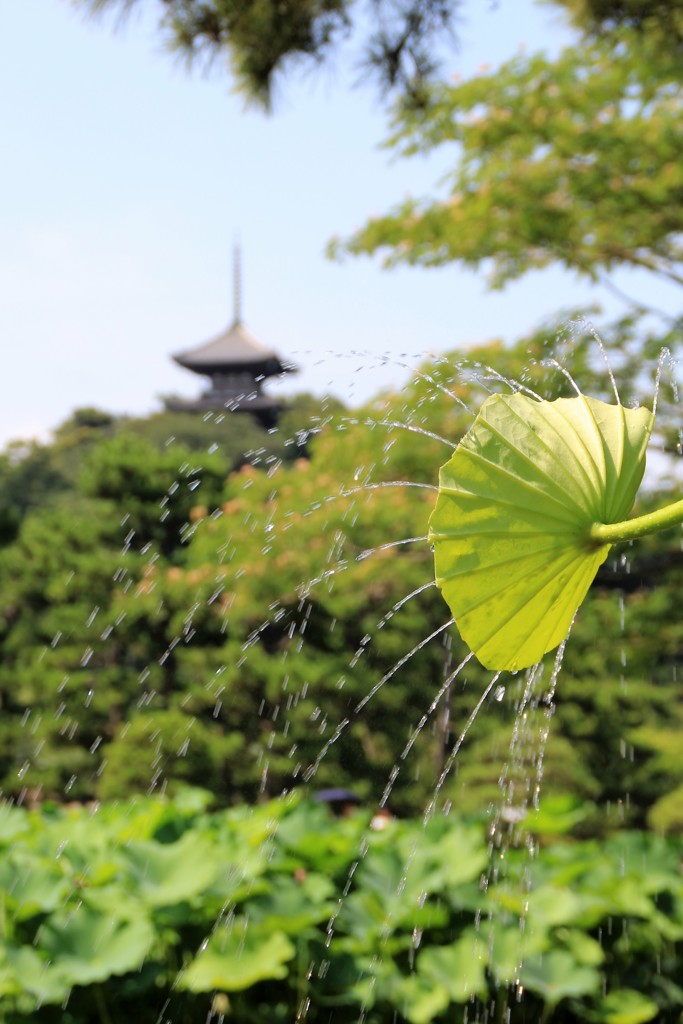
(572,160)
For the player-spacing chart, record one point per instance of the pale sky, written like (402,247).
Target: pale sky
(127,177)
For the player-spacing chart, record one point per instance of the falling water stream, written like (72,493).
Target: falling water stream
(285,627)
(534,701)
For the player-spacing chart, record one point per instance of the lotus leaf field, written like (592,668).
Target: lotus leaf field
(157,909)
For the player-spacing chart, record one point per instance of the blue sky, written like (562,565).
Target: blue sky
(126,179)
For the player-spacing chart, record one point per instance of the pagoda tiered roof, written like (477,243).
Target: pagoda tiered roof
(235,349)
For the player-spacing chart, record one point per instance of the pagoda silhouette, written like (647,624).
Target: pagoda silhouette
(237,365)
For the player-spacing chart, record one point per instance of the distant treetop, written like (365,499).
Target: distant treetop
(264,39)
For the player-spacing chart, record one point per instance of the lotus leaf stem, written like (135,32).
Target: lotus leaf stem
(651,522)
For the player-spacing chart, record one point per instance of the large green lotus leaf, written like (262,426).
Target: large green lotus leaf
(509,946)
(556,976)
(238,956)
(459,968)
(626,1006)
(89,946)
(551,905)
(368,919)
(32,884)
(14,822)
(418,1000)
(584,948)
(511,525)
(26,972)
(448,857)
(395,895)
(165,874)
(290,906)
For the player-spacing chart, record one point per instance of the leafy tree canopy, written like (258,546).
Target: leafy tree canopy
(573,160)
(264,39)
(664,17)
(35,475)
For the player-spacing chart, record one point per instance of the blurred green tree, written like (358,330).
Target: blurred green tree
(402,39)
(569,160)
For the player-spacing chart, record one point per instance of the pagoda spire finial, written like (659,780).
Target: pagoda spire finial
(237,283)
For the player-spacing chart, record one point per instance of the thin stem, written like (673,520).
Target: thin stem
(101,1004)
(652,522)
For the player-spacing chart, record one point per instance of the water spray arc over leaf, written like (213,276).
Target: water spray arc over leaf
(528,507)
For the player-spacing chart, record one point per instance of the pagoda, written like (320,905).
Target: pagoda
(237,364)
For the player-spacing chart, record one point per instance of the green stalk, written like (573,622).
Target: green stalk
(651,522)
(101,1004)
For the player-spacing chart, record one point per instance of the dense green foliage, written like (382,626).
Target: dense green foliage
(570,160)
(39,475)
(165,621)
(153,910)
(662,19)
